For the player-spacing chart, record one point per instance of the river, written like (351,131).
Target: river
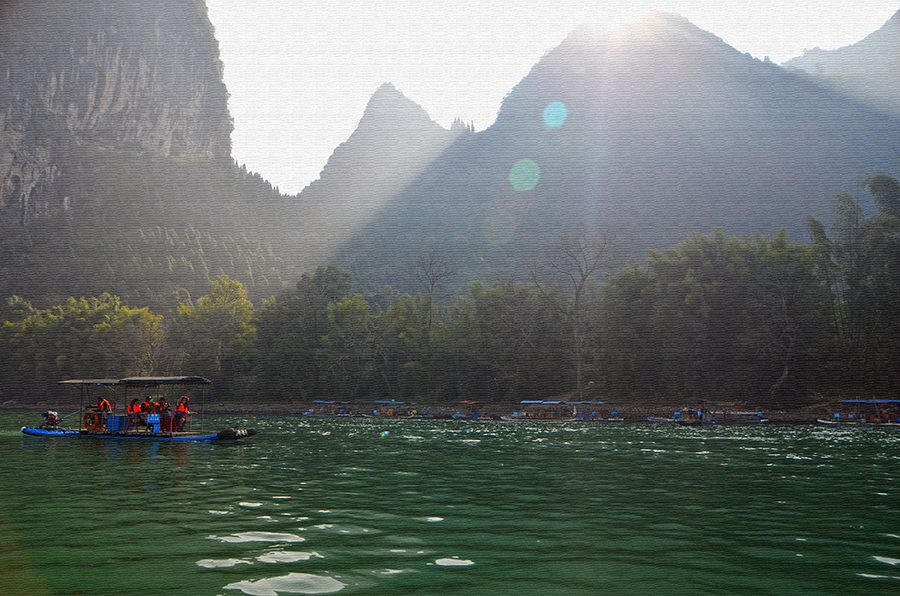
(364,506)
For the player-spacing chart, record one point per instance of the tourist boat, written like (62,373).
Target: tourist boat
(98,423)
(881,412)
(706,416)
(695,417)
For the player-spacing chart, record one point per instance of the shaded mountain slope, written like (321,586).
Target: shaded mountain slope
(394,143)
(651,135)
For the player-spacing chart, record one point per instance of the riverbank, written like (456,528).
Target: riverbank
(629,413)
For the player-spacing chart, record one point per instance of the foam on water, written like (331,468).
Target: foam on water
(216,563)
(295,583)
(258,537)
(286,556)
(453,562)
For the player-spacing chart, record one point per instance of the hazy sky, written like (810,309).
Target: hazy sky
(301,72)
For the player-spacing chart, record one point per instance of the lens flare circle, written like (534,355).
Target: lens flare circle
(555,114)
(524,175)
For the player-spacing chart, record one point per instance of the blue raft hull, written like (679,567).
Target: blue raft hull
(223,435)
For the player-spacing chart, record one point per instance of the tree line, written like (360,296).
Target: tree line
(759,319)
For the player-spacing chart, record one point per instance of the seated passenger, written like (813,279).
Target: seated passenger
(183,412)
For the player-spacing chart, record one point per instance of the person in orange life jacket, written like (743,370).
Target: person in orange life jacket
(163,408)
(146,408)
(133,411)
(104,408)
(182,411)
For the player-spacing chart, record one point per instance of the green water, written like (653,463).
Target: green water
(360,506)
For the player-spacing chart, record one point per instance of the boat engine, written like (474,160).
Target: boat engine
(236,433)
(51,420)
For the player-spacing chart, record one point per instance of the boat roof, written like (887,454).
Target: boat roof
(154,381)
(557,402)
(140,381)
(870,401)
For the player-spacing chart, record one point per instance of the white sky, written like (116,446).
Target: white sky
(300,72)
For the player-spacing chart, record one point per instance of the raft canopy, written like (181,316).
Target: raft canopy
(557,402)
(140,381)
(98,382)
(156,381)
(870,401)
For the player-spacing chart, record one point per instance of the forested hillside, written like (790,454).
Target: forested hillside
(148,227)
(761,320)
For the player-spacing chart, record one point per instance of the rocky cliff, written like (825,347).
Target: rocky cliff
(118,75)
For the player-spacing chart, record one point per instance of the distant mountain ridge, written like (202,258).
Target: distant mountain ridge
(868,70)
(666,131)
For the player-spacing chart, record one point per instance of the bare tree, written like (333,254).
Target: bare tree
(576,258)
(430,270)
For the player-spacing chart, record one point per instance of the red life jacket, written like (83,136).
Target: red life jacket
(145,406)
(182,407)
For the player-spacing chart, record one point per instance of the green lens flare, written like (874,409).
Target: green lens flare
(524,175)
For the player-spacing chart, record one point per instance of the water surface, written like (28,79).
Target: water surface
(362,506)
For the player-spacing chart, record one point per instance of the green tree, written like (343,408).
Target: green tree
(353,346)
(215,334)
(291,357)
(515,340)
(15,309)
(860,265)
(715,318)
(82,338)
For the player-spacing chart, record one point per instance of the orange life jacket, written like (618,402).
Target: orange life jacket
(104,406)
(182,407)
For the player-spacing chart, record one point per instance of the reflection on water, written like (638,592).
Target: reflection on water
(314,506)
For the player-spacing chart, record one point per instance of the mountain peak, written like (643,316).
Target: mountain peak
(389,109)
(633,63)
(654,26)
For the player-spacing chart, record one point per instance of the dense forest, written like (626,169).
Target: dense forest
(762,319)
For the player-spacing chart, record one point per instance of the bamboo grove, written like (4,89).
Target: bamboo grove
(761,319)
